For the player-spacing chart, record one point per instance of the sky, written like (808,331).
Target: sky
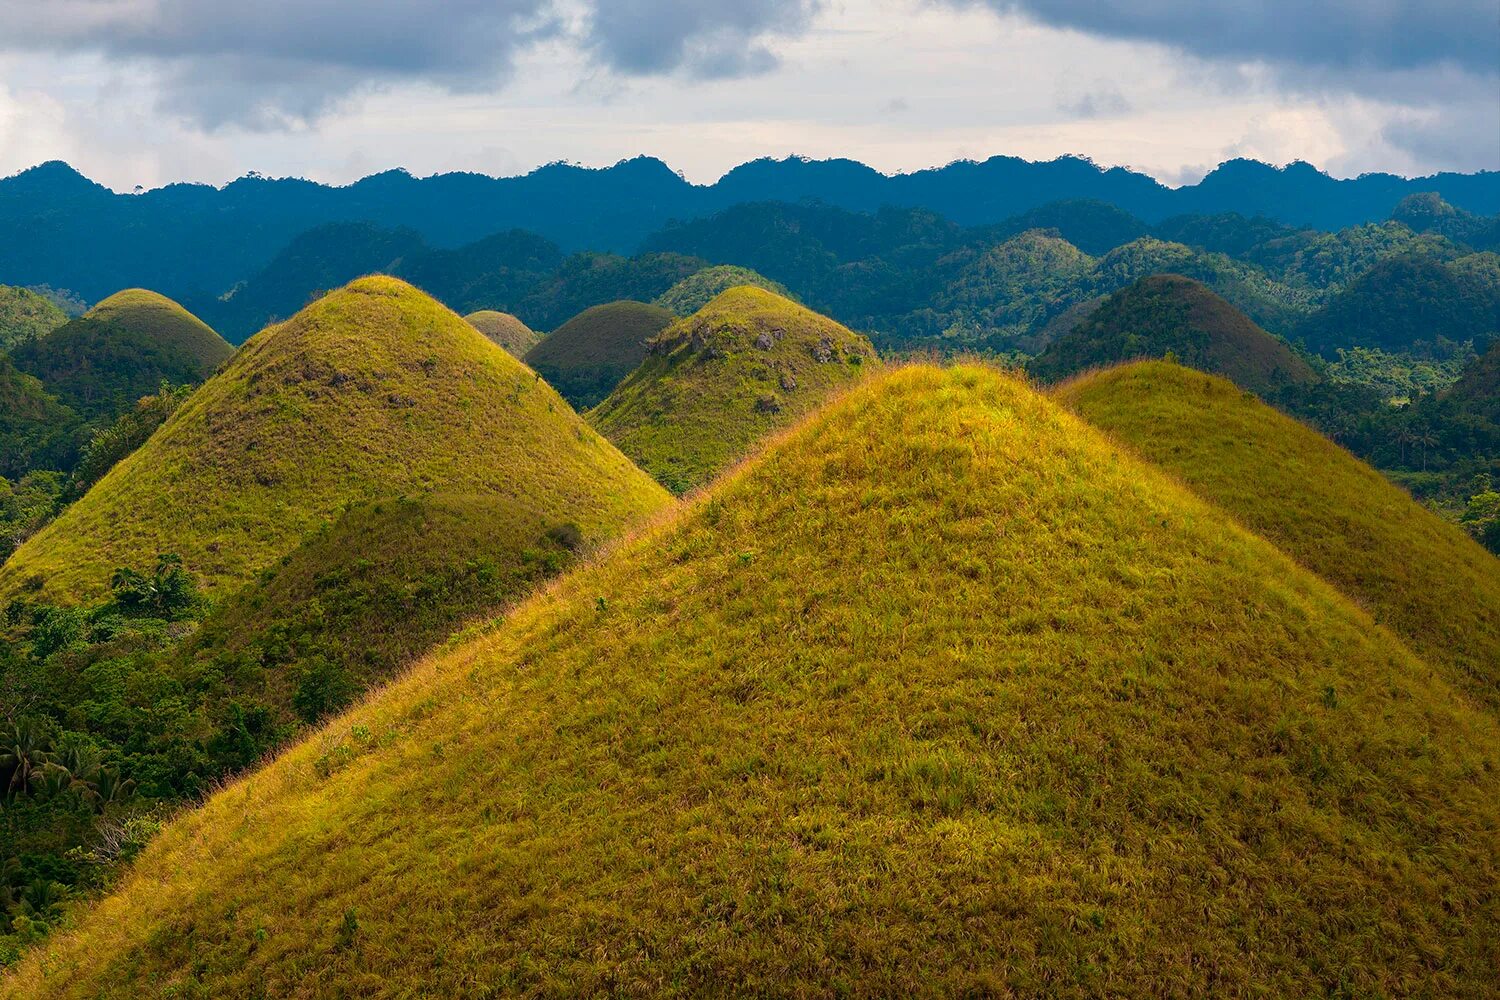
(147,92)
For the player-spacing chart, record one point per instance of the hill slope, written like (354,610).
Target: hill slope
(691,294)
(36,431)
(121,350)
(1416,574)
(1168,313)
(586,357)
(748,363)
(25,315)
(373,390)
(944,694)
(504,330)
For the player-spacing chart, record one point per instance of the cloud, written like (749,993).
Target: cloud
(277,64)
(707,38)
(1321,34)
(1102,100)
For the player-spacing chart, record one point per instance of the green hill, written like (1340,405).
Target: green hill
(1169,313)
(504,330)
(1416,574)
(586,357)
(36,431)
(712,385)
(374,390)
(25,315)
(1477,390)
(1411,303)
(121,350)
(944,694)
(691,294)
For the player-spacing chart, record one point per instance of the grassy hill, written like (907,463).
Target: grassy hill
(505,330)
(586,357)
(121,350)
(1170,313)
(1416,574)
(25,315)
(944,694)
(713,384)
(374,390)
(691,294)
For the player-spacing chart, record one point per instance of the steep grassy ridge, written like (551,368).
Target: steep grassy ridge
(504,330)
(374,390)
(691,294)
(121,350)
(944,694)
(586,357)
(743,366)
(1169,313)
(1420,576)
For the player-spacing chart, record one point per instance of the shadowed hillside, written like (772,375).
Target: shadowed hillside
(1416,574)
(373,390)
(944,694)
(586,357)
(1171,314)
(36,431)
(712,385)
(505,331)
(121,350)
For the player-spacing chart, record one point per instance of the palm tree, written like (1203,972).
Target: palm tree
(1426,439)
(23,756)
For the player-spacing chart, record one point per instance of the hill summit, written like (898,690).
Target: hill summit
(942,694)
(504,330)
(586,357)
(743,366)
(373,390)
(1169,314)
(121,350)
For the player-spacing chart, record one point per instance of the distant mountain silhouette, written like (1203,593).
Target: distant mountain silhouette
(194,241)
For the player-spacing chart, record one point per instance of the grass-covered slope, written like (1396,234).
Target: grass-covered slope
(505,330)
(374,390)
(121,350)
(586,357)
(713,384)
(1168,313)
(26,315)
(945,694)
(693,293)
(1418,575)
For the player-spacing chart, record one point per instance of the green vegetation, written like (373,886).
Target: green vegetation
(130,430)
(26,315)
(691,294)
(944,694)
(712,385)
(26,505)
(374,390)
(36,430)
(1413,304)
(504,330)
(586,357)
(1415,574)
(1169,314)
(121,350)
(590,279)
(1397,378)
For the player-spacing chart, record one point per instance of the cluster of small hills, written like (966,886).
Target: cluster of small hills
(500,622)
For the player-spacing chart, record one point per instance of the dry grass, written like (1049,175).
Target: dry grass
(945,693)
(505,330)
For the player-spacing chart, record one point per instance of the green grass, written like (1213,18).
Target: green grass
(505,330)
(586,357)
(374,390)
(25,315)
(1166,314)
(124,348)
(943,694)
(693,293)
(745,365)
(1420,576)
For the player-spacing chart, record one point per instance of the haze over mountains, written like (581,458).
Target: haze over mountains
(157,239)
